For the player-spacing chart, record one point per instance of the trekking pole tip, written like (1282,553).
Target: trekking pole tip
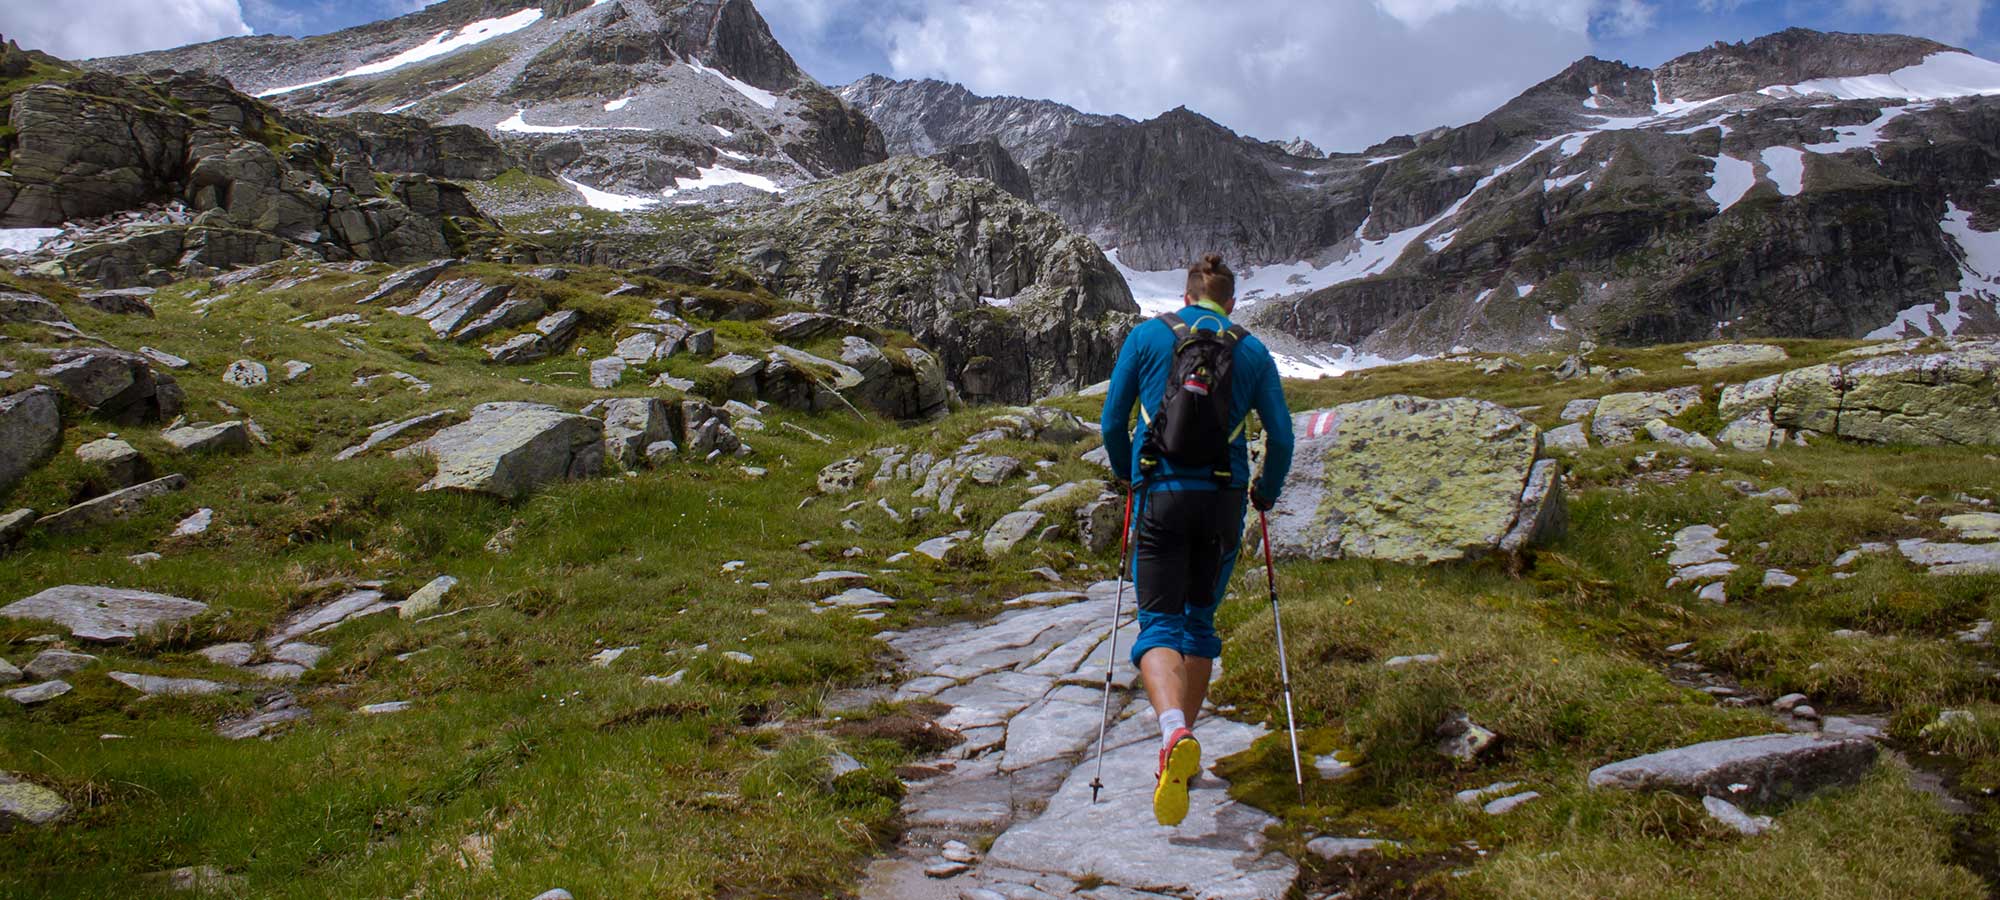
(1096,784)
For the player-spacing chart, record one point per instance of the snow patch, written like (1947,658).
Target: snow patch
(731,154)
(442,43)
(23,240)
(609,201)
(1978,282)
(757,95)
(1340,361)
(1556,323)
(1858,137)
(1787,167)
(1523,290)
(518,124)
(1940,76)
(1732,179)
(722,176)
(726,133)
(618,104)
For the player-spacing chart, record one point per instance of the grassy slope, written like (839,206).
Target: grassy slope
(587,778)
(584,777)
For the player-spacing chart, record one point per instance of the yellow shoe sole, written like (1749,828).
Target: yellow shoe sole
(1170,798)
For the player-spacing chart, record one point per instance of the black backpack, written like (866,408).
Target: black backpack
(1193,428)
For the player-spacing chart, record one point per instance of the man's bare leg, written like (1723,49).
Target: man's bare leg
(1164,672)
(1195,672)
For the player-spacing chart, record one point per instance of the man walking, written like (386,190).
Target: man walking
(1195,378)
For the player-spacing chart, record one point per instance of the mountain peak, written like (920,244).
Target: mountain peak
(1792,56)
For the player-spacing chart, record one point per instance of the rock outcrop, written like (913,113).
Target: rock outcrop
(116,385)
(1946,395)
(510,449)
(1762,770)
(1408,479)
(248,184)
(1015,305)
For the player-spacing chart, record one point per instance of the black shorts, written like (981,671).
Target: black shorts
(1188,541)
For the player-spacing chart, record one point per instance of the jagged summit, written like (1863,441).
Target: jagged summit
(641,100)
(920,118)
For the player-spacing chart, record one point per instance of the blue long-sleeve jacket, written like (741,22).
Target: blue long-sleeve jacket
(1144,365)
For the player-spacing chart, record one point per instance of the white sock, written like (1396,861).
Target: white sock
(1171,721)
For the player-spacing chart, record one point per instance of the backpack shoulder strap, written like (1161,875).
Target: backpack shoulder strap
(1236,334)
(1179,327)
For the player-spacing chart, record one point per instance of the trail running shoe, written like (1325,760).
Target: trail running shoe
(1180,761)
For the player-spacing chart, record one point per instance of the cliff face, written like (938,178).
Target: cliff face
(629,97)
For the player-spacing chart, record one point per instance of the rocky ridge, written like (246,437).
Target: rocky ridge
(629,97)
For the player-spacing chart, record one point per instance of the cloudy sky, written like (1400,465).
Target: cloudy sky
(1344,73)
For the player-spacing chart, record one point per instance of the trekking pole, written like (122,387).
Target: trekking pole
(1111,657)
(1284,667)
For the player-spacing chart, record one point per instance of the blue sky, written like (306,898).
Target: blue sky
(1344,73)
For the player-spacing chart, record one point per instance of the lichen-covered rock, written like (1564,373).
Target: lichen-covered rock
(22,803)
(841,477)
(1950,396)
(1410,479)
(30,433)
(1723,356)
(510,449)
(1010,531)
(1620,417)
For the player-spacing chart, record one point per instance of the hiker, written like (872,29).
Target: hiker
(1195,378)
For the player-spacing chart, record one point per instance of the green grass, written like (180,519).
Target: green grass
(524,767)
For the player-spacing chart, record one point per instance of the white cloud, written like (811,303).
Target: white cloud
(1950,21)
(81,29)
(1344,73)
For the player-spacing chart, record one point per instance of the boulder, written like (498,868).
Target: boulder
(1752,432)
(559,328)
(104,614)
(157,686)
(800,327)
(15,525)
(1725,355)
(634,424)
(116,385)
(842,476)
(1010,531)
(22,803)
(225,437)
(246,373)
(743,373)
(1983,526)
(1409,479)
(510,449)
(518,350)
(1578,410)
(1570,438)
(1659,430)
(31,431)
(1761,770)
(113,506)
(607,372)
(122,465)
(17,308)
(1098,523)
(1619,417)
(423,602)
(121,302)
(38,693)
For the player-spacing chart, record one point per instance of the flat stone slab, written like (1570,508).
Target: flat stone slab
(156,686)
(352,605)
(38,693)
(115,505)
(1218,852)
(104,614)
(1953,559)
(1763,769)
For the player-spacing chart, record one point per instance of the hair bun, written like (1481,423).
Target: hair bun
(1213,260)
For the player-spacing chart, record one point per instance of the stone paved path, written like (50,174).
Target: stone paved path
(1024,689)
